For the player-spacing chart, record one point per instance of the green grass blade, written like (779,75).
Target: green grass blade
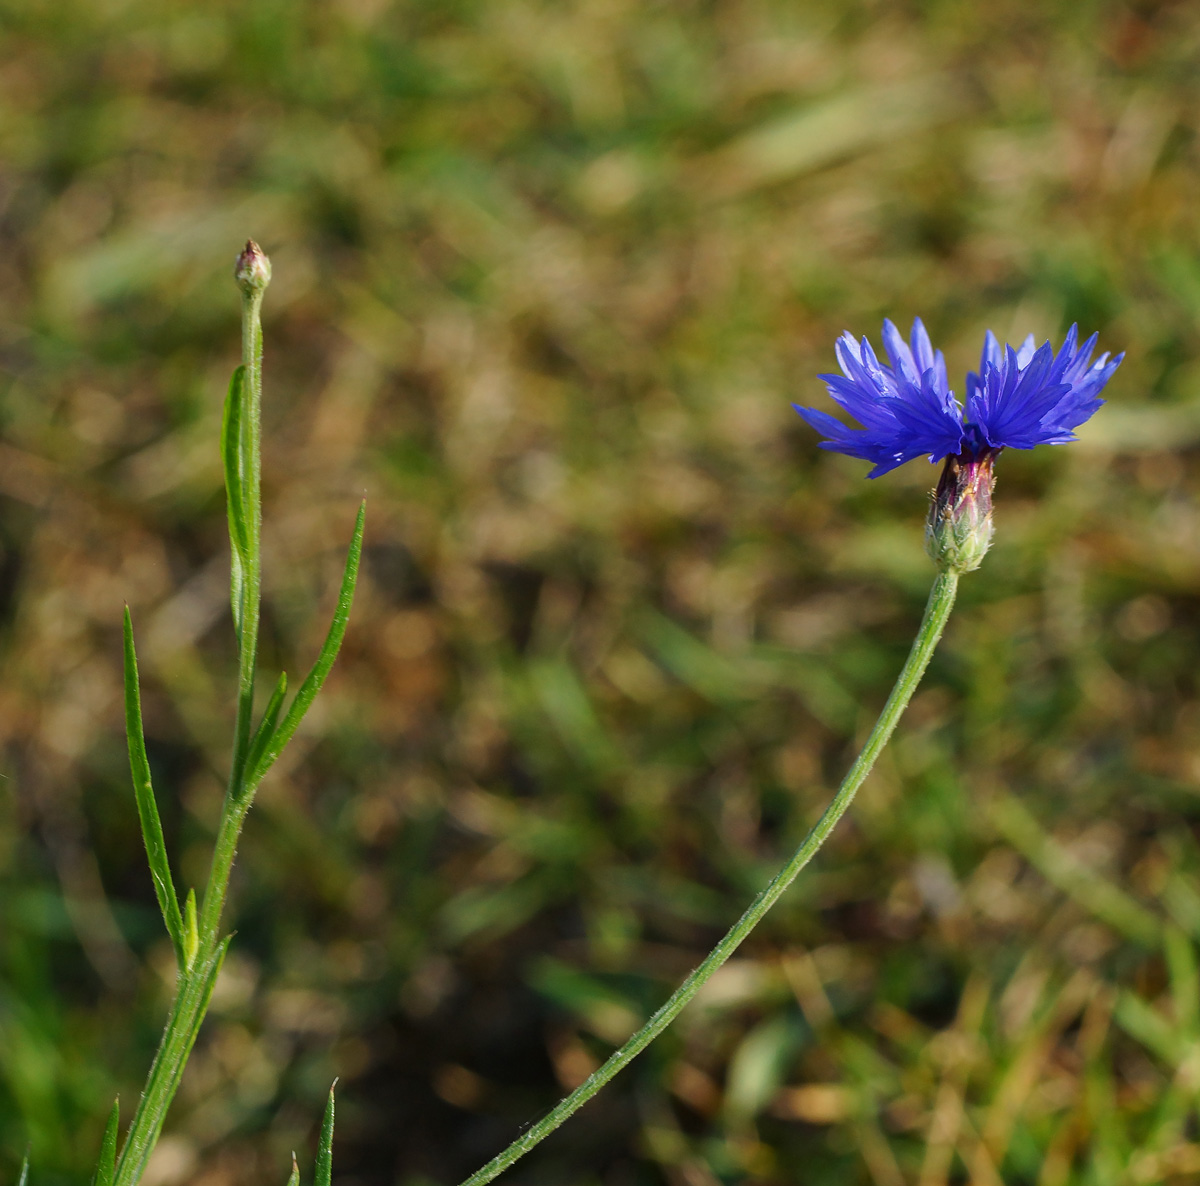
(107,1164)
(316,677)
(1145,1024)
(235,497)
(152,834)
(294,1176)
(1184,978)
(266,727)
(1108,902)
(23,1178)
(324,1169)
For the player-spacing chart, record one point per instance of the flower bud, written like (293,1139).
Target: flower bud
(959,529)
(252,271)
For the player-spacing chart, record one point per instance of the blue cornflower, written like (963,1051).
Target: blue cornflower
(1020,398)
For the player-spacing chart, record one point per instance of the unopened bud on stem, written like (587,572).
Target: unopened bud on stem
(959,529)
(252,270)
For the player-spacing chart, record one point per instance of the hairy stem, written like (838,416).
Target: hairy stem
(937,610)
(195,984)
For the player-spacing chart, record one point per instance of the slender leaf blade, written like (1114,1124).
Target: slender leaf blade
(147,806)
(23,1177)
(294,1176)
(324,1167)
(237,589)
(316,677)
(191,930)
(107,1164)
(232,456)
(266,727)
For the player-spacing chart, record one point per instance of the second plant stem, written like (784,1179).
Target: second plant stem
(937,610)
(196,981)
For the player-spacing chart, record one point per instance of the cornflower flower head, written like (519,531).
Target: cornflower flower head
(1020,398)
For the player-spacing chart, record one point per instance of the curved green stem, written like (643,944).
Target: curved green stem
(937,610)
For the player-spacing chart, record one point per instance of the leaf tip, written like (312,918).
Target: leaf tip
(191,931)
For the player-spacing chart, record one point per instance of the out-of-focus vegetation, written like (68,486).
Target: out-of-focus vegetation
(547,277)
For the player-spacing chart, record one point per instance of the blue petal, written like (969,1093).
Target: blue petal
(922,347)
(1026,352)
(867,407)
(991,353)
(854,442)
(824,422)
(943,380)
(850,360)
(1067,354)
(898,352)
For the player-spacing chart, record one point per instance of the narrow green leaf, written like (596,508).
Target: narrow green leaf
(266,727)
(237,587)
(23,1179)
(316,677)
(231,454)
(152,834)
(324,1168)
(232,457)
(191,931)
(294,1176)
(107,1164)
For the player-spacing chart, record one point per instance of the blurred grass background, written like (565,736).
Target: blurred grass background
(547,278)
